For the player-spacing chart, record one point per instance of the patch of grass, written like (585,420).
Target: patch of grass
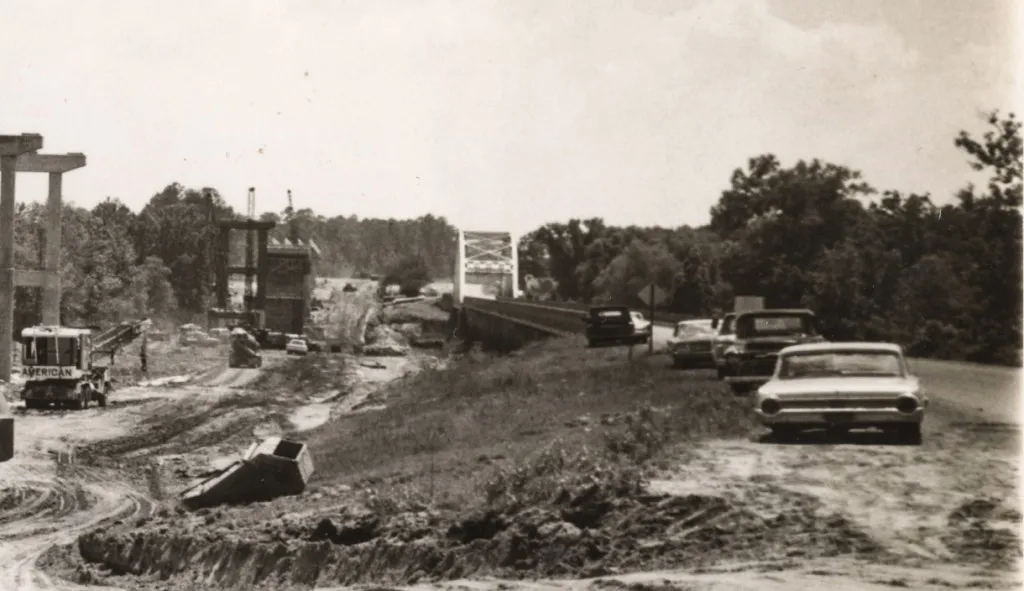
(458,437)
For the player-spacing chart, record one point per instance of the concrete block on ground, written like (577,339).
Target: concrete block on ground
(272,468)
(6,438)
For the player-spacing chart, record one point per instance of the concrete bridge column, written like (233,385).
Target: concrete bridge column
(11,147)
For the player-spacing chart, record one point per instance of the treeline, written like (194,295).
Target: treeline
(943,280)
(160,261)
(351,246)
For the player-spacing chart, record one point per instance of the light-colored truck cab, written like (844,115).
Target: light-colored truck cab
(58,368)
(725,336)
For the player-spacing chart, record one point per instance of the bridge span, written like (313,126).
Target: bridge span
(487,298)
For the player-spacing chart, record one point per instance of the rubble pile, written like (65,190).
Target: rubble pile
(583,533)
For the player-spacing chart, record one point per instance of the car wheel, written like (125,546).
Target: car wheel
(740,389)
(785,434)
(910,434)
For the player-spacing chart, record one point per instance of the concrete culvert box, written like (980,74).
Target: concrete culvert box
(273,468)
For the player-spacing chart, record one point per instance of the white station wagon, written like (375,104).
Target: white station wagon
(842,386)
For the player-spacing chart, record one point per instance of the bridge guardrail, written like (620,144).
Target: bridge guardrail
(561,320)
(576,310)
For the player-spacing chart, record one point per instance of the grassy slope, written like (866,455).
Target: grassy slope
(444,434)
(526,465)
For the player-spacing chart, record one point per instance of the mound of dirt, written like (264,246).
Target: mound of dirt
(585,533)
(984,531)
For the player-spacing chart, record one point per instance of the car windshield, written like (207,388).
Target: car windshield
(841,363)
(608,313)
(780,324)
(692,331)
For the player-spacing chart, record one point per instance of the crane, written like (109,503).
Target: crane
(293,228)
(250,246)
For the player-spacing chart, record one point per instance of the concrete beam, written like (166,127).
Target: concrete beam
(50,163)
(246,225)
(16,145)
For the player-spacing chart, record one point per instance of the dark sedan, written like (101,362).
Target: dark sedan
(690,344)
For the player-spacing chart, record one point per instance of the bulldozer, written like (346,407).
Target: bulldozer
(245,350)
(58,364)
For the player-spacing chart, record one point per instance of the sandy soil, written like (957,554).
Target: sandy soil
(52,491)
(945,515)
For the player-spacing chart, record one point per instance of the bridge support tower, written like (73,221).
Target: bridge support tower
(19,153)
(486,266)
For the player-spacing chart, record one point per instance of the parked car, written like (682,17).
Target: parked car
(611,324)
(297,347)
(760,335)
(275,340)
(197,338)
(725,336)
(690,344)
(842,386)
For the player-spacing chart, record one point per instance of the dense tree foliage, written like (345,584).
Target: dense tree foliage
(410,274)
(943,280)
(160,262)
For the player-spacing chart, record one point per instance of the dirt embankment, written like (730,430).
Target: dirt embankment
(586,530)
(443,480)
(396,502)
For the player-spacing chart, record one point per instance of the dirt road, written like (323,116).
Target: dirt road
(47,497)
(45,500)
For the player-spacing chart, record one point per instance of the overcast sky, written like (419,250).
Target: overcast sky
(498,114)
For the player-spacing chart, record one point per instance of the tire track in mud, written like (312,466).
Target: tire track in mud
(906,498)
(53,512)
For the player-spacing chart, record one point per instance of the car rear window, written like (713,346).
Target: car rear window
(753,326)
(609,313)
(841,363)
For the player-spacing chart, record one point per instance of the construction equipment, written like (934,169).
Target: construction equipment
(245,350)
(117,337)
(58,363)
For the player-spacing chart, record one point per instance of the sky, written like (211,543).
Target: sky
(499,115)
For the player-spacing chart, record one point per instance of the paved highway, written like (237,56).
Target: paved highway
(974,392)
(979,392)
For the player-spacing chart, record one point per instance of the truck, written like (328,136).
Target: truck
(759,336)
(612,325)
(245,350)
(59,366)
